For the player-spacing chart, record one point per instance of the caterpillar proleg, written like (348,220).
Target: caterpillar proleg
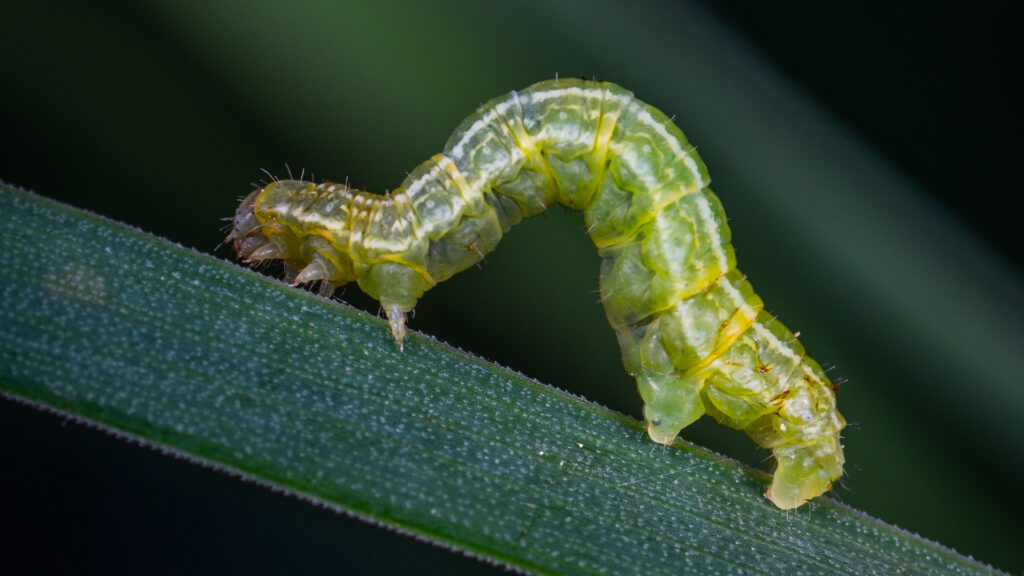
(692,331)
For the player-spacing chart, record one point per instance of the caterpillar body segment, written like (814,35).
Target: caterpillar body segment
(692,331)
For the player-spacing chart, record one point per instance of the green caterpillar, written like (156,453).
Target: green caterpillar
(691,329)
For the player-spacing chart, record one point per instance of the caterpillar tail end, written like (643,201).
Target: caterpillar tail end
(397,318)
(805,472)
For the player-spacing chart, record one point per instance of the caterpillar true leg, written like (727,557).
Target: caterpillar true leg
(692,331)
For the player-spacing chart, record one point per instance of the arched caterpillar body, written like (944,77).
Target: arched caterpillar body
(691,329)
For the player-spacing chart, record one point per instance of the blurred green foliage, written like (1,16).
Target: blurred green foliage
(161,114)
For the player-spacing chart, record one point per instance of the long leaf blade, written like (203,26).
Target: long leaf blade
(200,357)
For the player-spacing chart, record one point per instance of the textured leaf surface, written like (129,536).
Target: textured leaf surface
(195,355)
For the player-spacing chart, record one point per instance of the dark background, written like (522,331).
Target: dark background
(160,115)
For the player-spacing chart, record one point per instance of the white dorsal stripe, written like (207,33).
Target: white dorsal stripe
(764,333)
(643,116)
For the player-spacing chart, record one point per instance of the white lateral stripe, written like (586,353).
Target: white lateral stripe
(776,344)
(485,120)
(704,208)
(415,187)
(773,341)
(320,221)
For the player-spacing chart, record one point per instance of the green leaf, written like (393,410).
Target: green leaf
(202,358)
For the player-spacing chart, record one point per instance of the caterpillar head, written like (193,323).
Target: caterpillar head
(246,235)
(261,230)
(255,241)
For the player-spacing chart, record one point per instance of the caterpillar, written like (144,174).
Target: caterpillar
(692,331)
